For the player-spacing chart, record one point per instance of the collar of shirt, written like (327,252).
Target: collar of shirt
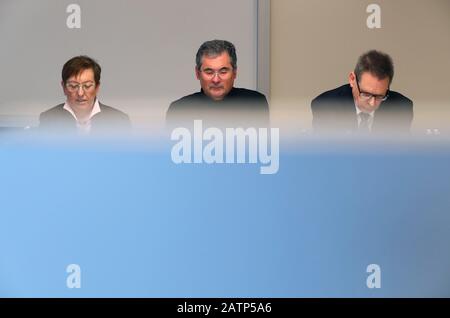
(95,110)
(84,127)
(359,111)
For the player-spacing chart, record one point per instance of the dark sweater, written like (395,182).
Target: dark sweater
(241,107)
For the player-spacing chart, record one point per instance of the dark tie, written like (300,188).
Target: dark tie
(364,123)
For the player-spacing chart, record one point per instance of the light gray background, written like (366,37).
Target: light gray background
(146,50)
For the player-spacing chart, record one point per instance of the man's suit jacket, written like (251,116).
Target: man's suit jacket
(108,121)
(334,112)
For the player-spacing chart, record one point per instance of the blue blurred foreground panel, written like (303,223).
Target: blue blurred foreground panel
(139,225)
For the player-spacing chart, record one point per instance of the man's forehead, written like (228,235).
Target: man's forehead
(217,61)
(371,81)
(373,78)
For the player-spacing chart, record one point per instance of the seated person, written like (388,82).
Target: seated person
(219,103)
(82,113)
(366,104)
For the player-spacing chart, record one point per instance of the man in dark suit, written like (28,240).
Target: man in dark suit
(219,103)
(366,104)
(82,113)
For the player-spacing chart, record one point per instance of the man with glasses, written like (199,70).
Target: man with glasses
(366,104)
(82,112)
(219,102)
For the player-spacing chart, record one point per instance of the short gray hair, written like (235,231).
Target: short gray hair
(377,63)
(214,48)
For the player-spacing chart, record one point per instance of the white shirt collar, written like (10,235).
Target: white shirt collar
(371,114)
(359,111)
(95,110)
(84,128)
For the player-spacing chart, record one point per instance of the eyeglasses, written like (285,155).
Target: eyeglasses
(223,73)
(75,87)
(368,96)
